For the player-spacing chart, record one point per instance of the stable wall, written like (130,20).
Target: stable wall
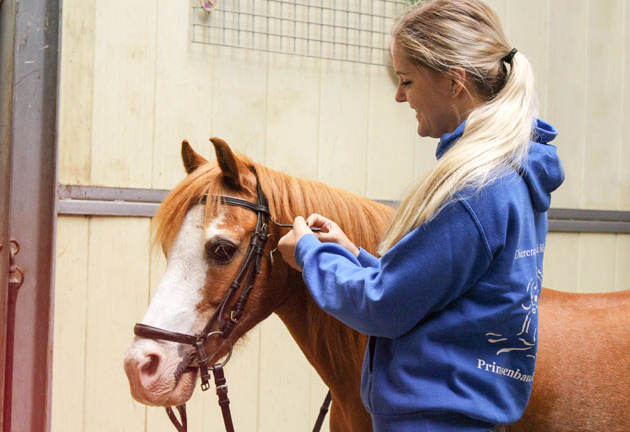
(133,86)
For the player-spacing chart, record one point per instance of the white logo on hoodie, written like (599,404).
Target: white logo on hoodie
(525,340)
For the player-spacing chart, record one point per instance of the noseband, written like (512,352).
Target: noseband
(218,325)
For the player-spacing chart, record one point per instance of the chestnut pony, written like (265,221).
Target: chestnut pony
(582,380)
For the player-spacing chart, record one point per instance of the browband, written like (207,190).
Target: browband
(239,203)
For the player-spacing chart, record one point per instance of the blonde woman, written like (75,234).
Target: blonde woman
(451,305)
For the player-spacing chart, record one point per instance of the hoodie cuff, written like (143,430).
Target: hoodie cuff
(307,243)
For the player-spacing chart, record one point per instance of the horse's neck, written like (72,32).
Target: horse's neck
(342,374)
(335,351)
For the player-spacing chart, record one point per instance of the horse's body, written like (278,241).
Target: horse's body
(581,381)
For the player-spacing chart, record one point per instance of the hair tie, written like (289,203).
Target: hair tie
(508,58)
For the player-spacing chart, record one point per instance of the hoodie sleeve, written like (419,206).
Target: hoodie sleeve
(366,259)
(421,274)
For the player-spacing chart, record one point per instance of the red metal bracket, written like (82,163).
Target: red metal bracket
(16,276)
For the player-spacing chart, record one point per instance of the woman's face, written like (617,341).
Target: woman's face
(429,95)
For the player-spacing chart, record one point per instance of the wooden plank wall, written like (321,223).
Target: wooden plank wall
(133,86)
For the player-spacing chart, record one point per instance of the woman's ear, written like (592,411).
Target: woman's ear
(457,81)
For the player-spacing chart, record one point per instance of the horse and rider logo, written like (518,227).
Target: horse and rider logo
(524,340)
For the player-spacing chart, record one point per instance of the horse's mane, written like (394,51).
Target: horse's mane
(364,222)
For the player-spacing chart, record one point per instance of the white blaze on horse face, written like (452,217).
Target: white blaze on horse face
(215,229)
(180,291)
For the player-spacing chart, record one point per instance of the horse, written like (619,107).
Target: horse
(581,383)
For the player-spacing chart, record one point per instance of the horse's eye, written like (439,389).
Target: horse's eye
(221,251)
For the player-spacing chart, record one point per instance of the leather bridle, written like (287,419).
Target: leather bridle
(218,325)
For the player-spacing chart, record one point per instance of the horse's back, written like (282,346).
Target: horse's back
(581,381)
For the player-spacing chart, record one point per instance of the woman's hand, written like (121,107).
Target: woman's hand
(331,233)
(288,242)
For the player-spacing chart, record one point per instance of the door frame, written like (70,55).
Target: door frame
(29,53)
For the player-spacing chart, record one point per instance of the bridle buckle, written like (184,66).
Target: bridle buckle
(233,316)
(202,360)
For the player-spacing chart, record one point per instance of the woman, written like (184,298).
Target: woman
(451,305)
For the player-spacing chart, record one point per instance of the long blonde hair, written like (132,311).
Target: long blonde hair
(466,34)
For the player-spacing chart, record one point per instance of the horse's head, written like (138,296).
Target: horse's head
(205,243)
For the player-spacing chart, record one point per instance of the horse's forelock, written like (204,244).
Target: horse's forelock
(207,179)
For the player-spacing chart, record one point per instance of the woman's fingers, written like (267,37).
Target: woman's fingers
(300,227)
(318,221)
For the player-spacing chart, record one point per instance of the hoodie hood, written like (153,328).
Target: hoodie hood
(541,170)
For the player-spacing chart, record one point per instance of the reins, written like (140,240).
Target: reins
(249,269)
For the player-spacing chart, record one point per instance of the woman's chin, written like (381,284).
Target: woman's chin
(422,130)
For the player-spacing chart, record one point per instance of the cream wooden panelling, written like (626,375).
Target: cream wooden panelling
(561,254)
(501,8)
(528,32)
(284,381)
(622,266)
(244,380)
(71,281)
(317,395)
(343,137)
(566,108)
(240,100)
(197,414)
(75,91)
(136,65)
(596,266)
(391,138)
(293,115)
(183,94)
(424,153)
(587,262)
(118,280)
(344,112)
(124,90)
(604,102)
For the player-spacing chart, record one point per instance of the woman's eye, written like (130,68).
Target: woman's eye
(406,83)
(221,252)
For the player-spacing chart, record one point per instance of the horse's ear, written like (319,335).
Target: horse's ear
(227,162)
(191,159)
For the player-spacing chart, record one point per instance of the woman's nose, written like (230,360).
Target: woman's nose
(400,95)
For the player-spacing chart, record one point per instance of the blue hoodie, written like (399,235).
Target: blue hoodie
(451,309)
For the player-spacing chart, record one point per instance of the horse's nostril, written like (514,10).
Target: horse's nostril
(151,364)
